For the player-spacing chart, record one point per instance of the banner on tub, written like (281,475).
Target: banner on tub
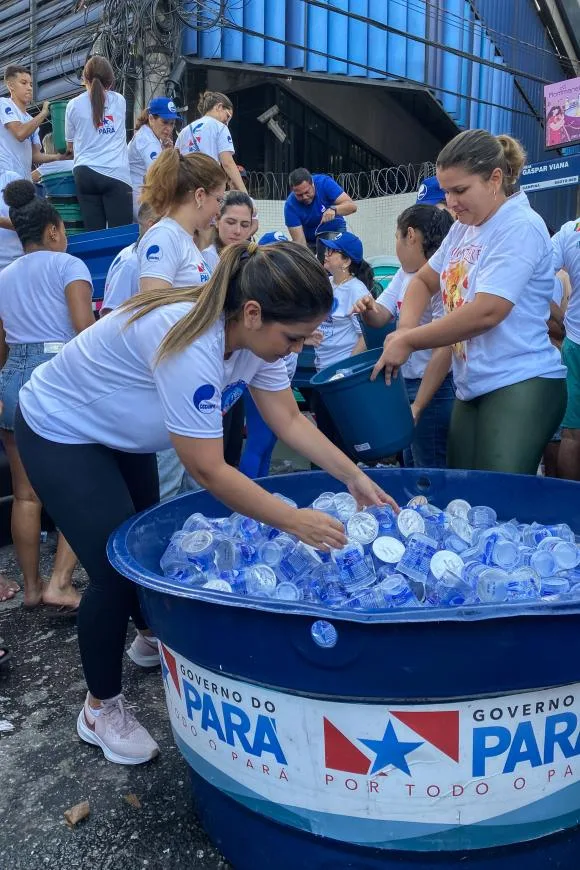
(471,774)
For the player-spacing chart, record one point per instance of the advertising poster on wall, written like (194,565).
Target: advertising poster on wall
(562,108)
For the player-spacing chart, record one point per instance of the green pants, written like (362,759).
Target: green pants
(507,429)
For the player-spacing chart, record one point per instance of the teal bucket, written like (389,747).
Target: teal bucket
(57,115)
(374,420)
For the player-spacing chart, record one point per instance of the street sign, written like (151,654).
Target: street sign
(559,172)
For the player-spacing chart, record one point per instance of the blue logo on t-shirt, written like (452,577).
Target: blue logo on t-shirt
(231,394)
(205,399)
(8,110)
(334,304)
(153,155)
(153,253)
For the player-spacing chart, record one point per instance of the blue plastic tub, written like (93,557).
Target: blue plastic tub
(373,419)
(99,248)
(421,740)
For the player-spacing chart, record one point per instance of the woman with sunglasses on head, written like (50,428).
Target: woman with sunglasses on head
(189,192)
(153,133)
(210,135)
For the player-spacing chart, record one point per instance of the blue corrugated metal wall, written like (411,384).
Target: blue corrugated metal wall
(509,33)
(324,40)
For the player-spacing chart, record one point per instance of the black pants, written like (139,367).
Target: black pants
(89,490)
(233,433)
(105,202)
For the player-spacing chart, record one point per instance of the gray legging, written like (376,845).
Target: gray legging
(507,429)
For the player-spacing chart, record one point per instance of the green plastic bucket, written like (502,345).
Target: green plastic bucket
(69,213)
(57,113)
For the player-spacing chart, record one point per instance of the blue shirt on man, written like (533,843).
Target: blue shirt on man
(326,192)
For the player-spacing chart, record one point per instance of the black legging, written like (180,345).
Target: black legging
(105,202)
(89,490)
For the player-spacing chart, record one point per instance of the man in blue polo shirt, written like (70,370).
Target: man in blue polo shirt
(316,202)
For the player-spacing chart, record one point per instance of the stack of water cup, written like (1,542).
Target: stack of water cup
(422,557)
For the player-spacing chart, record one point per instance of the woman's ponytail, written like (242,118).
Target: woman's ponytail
(364,272)
(98,74)
(173,176)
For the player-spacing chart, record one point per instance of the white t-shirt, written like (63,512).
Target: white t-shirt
(392,299)
(10,247)
(144,148)
(124,282)
(341,330)
(33,306)
(103,149)
(123,255)
(207,135)
(15,156)
(211,257)
(104,387)
(167,251)
(291,363)
(558,292)
(566,247)
(510,256)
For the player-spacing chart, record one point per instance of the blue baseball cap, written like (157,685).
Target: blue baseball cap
(430,192)
(348,244)
(164,108)
(272,238)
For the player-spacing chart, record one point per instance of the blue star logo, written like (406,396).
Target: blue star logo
(390,750)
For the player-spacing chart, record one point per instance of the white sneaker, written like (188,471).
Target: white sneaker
(144,651)
(122,739)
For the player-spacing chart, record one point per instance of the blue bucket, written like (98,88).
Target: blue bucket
(60,184)
(374,420)
(374,337)
(420,740)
